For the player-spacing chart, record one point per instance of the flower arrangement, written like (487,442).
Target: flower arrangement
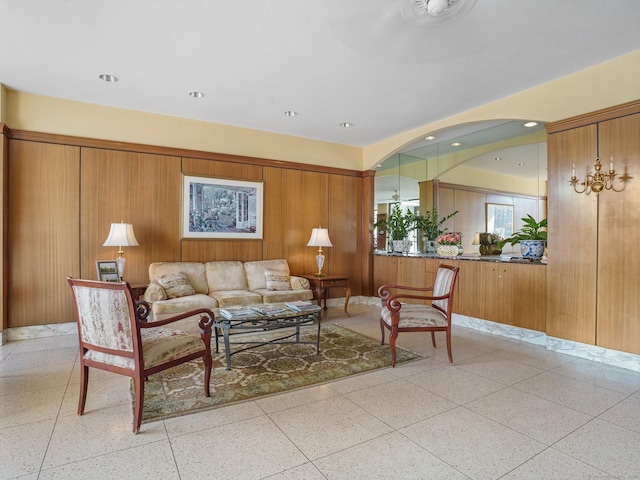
(453,238)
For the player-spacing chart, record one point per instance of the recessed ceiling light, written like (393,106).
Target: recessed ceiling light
(430,137)
(497,159)
(290,113)
(108,78)
(530,124)
(456,144)
(196,94)
(521,164)
(346,124)
(379,166)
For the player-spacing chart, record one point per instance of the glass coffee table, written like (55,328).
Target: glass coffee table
(263,318)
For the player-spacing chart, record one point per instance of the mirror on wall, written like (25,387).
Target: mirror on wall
(467,168)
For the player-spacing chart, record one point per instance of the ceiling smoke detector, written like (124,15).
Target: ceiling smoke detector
(434,12)
(395,197)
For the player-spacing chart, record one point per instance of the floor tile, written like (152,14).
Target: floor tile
(395,457)
(607,447)
(534,355)
(625,414)
(328,426)
(96,433)
(576,394)
(533,416)
(47,343)
(107,393)
(359,382)
(400,403)
(455,384)
(158,464)
(250,449)
(211,418)
(30,407)
(472,444)
(554,465)
(26,380)
(276,403)
(498,369)
(613,378)
(308,471)
(23,448)
(33,360)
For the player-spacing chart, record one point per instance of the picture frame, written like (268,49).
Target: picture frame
(219,208)
(499,219)
(107,270)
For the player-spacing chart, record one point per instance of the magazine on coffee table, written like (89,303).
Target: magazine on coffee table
(237,312)
(269,309)
(302,306)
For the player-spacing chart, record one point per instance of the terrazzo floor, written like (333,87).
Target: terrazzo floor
(505,410)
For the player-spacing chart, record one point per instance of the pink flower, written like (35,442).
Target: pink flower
(453,238)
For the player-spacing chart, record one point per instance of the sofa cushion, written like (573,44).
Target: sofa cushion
(176,285)
(227,298)
(255,272)
(194,271)
(277,280)
(279,296)
(226,276)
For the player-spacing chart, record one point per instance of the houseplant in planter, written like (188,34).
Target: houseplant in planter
(398,225)
(431,226)
(531,238)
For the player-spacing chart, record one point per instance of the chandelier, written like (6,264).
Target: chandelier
(595,182)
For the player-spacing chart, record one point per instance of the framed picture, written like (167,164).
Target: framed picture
(107,270)
(221,208)
(500,219)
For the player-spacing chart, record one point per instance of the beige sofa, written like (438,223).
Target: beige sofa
(177,287)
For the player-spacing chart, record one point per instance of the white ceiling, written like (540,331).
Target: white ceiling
(332,61)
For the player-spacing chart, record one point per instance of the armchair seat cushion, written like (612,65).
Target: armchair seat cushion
(416,316)
(162,345)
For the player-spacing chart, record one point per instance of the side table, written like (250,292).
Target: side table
(321,286)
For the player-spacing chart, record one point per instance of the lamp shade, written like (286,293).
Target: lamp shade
(319,238)
(121,235)
(476,239)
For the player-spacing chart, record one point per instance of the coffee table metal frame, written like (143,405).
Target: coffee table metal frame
(263,323)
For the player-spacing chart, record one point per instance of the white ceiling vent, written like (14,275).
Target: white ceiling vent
(434,12)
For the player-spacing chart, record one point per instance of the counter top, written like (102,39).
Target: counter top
(508,258)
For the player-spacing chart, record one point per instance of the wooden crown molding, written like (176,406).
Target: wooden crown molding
(609,113)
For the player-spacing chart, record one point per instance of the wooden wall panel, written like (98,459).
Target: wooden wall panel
(573,238)
(295,203)
(4,195)
(470,217)
(44,232)
(345,215)
(618,307)
(137,188)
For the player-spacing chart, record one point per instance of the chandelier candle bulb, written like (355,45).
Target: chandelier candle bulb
(611,164)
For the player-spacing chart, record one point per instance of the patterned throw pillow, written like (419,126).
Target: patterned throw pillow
(277,280)
(176,285)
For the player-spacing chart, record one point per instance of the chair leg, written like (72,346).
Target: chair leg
(433,339)
(449,346)
(392,343)
(382,329)
(137,408)
(208,363)
(84,383)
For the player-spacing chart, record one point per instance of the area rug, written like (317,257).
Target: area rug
(265,370)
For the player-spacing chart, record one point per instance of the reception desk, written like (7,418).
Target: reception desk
(488,288)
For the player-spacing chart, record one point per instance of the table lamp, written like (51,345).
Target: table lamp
(121,235)
(319,238)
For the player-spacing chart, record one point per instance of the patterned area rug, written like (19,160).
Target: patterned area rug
(264,371)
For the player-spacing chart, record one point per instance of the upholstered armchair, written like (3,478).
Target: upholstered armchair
(432,315)
(115,335)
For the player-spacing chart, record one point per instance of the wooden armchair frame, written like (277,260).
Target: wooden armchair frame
(415,317)
(120,348)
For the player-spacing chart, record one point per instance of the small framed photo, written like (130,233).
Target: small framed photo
(221,208)
(107,270)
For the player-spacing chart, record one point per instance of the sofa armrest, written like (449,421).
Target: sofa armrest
(154,293)
(299,283)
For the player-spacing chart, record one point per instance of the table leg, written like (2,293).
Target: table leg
(227,351)
(346,301)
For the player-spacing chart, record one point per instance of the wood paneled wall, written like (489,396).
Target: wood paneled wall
(65,192)
(593,281)
(4,236)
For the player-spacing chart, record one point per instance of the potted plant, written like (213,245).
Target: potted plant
(431,225)
(398,225)
(449,244)
(531,237)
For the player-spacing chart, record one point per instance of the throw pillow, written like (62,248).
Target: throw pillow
(176,285)
(277,280)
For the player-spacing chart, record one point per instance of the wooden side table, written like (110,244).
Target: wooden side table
(321,286)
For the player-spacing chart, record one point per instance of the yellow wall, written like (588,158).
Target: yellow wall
(65,117)
(610,83)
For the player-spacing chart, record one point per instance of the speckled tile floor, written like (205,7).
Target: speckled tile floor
(505,410)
